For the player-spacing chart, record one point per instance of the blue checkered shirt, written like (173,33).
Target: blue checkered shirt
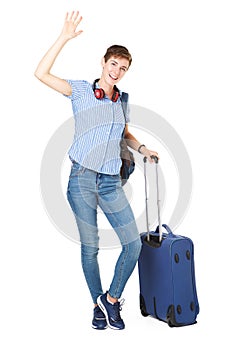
(98,129)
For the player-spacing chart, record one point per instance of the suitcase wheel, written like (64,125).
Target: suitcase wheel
(143,307)
(171,320)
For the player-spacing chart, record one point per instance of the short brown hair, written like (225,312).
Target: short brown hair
(118,51)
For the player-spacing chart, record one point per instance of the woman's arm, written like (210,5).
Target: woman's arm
(43,70)
(133,143)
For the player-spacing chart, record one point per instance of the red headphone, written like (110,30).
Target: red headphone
(99,93)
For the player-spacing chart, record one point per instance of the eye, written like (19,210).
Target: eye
(123,69)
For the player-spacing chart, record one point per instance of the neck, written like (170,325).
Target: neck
(108,89)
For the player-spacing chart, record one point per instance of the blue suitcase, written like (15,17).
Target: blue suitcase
(167,275)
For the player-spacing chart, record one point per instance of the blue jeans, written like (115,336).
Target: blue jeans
(87,190)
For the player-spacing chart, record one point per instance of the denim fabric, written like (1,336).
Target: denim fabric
(86,191)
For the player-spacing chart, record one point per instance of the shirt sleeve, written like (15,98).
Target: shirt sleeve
(78,88)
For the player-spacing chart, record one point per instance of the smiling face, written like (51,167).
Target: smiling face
(114,69)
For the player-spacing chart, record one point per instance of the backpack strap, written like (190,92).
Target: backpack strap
(124,101)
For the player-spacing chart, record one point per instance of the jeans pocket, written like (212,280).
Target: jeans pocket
(77,170)
(116,177)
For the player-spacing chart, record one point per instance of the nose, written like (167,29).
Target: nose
(116,70)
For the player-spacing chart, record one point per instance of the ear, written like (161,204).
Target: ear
(102,62)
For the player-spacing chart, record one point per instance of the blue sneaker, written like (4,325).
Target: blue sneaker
(111,311)
(99,319)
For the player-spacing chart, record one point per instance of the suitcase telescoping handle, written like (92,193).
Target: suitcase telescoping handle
(156,160)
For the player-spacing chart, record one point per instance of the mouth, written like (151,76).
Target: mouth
(113,77)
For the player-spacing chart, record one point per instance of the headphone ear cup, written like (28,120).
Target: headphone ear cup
(99,93)
(115,96)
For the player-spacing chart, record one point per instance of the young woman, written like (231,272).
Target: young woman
(95,173)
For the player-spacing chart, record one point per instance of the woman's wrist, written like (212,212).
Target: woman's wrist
(140,148)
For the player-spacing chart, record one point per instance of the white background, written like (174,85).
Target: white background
(182,70)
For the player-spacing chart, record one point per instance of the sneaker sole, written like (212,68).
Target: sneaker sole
(99,329)
(102,307)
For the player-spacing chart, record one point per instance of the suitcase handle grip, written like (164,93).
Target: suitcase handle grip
(167,228)
(156,159)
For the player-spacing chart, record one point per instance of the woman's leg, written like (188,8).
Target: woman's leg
(83,201)
(115,205)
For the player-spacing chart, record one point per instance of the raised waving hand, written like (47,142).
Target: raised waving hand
(72,20)
(69,31)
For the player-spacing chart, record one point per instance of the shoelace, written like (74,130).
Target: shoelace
(117,307)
